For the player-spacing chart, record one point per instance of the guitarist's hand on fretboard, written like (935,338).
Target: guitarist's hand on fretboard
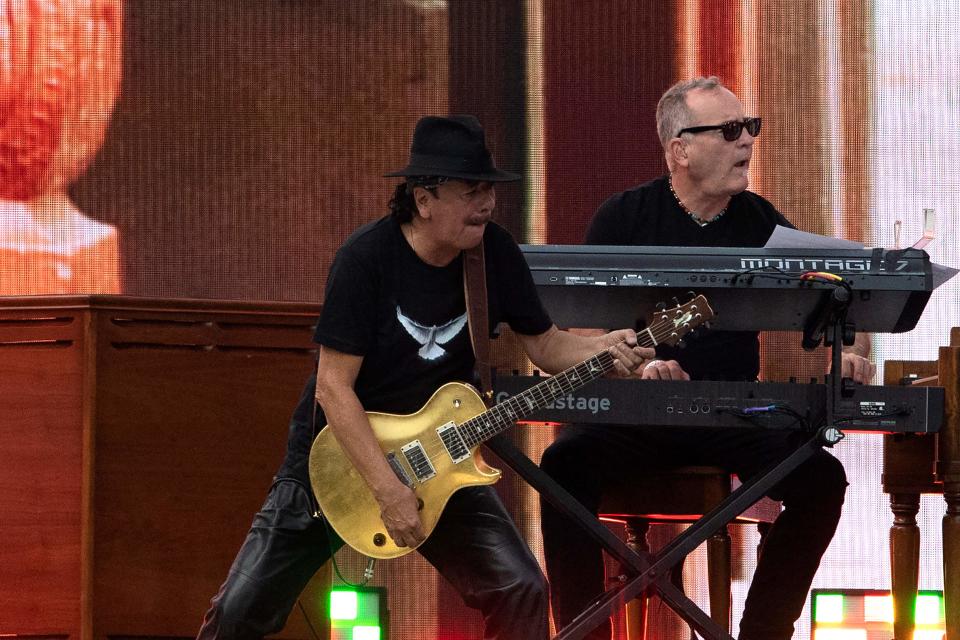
(627,354)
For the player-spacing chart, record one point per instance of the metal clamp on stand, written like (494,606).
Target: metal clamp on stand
(828,324)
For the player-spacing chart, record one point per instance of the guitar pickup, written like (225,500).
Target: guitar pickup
(418,460)
(453,442)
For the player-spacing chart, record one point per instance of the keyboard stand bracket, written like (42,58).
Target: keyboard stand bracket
(654,572)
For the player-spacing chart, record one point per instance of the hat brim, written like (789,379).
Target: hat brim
(496,175)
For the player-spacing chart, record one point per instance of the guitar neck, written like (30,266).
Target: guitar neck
(501,417)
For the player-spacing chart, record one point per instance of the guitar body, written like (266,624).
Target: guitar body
(346,500)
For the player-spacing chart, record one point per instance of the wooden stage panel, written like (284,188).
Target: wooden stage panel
(148,435)
(41,440)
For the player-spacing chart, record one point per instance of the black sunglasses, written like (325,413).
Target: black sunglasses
(731,130)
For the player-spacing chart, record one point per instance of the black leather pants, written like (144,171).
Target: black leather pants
(585,459)
(475,546)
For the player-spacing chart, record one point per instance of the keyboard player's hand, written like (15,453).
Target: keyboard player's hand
(663,370)
(857,367)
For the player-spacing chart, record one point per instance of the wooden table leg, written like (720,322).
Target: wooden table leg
(718,577)
(951,559)
(904,561)
(636,609)
(948,467)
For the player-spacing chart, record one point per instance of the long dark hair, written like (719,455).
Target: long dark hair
(402,205)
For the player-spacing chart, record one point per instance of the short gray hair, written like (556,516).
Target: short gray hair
(673,113)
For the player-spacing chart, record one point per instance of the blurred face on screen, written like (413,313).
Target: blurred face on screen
(716,166)
(60,68)
(456,213)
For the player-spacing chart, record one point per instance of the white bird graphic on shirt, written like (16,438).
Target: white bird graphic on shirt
(432,337)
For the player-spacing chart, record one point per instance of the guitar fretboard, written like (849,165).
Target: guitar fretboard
(666,328)
(502,416)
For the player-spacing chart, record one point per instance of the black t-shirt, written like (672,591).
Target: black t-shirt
(649,215)
(408,320)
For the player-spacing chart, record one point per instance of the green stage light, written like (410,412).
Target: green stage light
(867,614)
(828,607)
(929,609)
(343,604)
(366,633)
(358,613)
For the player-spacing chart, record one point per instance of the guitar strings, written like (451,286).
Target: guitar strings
(649,337)
(500,419)
(501,414)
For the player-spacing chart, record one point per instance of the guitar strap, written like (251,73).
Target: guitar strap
(475,294)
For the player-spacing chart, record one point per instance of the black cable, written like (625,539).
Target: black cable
(313,631)
(778,273)
(368,572)
(766,272)
(754,415)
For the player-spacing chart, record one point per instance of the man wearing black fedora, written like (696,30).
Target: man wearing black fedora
(393,330)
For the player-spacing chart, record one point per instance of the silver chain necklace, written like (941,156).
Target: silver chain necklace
(693,216)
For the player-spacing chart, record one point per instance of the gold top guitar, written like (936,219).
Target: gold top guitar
(436,450)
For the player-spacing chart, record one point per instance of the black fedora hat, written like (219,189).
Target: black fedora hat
(451,147)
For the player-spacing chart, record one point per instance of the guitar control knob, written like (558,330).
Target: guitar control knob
(379,539)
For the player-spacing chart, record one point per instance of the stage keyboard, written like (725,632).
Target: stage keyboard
(885,409)
(750,289)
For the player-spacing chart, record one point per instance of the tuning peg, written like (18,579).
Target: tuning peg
(693,296)
(661,306)
(676,302)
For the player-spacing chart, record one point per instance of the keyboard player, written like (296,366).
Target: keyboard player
(708,142)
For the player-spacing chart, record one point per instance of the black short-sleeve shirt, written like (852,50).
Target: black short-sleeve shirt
(649,215)
(408,320)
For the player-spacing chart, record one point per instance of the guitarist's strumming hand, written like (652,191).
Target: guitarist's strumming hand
(336,374)
(398,510)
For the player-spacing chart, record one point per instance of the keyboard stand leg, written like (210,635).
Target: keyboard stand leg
(657,572)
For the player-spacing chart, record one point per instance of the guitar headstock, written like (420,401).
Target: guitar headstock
(669,326)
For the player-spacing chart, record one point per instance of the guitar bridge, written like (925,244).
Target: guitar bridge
(399,470)
(453,442)
(418,460)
